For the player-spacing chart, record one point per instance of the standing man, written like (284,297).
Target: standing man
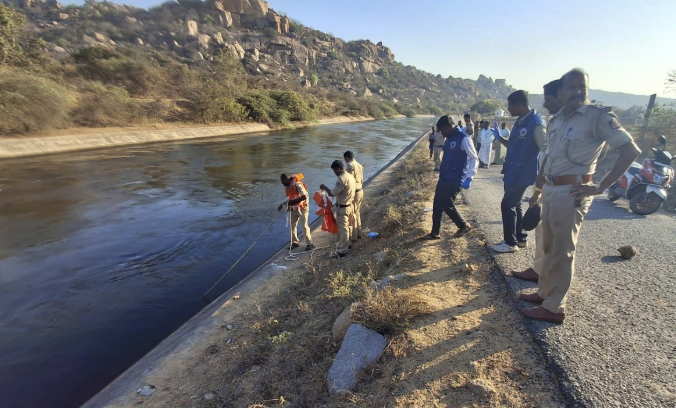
(499,150)
(299,210)
(486,140)
(357,171)
(344,194)
(520,169)
(469,125)
(438,149)
(553,105)
(458,167)
(577,135)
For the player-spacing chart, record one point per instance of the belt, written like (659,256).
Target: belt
(343,206)
(438,146)
(568,179)
(357,190)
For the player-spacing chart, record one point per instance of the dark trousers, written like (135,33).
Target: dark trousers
(512,214)
(444,195)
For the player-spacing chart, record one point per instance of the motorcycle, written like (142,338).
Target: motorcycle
(646,185)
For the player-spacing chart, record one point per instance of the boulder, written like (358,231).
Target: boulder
(58,49)
(285,25)
(361,348)
(139,41)
(306,83)
(343,322)
(224,18)
(62,16)
(367,93)
(237,49)
(203,41)
(369,67)
(254,8)
(218,37)
(192,28)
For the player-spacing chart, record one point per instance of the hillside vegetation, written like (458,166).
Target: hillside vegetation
(103,64)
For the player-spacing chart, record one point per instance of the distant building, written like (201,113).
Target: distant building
(499,113)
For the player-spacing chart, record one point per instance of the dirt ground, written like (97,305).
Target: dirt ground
(467,347)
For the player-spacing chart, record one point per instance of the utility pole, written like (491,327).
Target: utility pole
(646,117)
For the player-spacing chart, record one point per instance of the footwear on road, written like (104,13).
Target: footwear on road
(540,313)
(504,248)
(531,297)
(522,244)
(462,232)
(529,275)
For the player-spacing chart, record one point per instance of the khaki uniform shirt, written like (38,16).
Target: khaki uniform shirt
(344,190)
(357,171)
(575,142)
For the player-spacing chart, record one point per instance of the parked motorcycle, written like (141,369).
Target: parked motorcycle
(645,186)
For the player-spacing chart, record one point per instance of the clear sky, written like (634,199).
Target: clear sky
(623,44)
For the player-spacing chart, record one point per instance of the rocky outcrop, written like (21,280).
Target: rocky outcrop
(192,28)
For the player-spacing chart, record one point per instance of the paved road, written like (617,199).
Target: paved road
(617,347)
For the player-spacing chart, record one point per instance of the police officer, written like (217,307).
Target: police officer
(344,194)
(357,171)
(553,105)
(458,166)
(297,202)
(520,168)
(576,138)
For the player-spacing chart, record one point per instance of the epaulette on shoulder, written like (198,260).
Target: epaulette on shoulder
(601,107)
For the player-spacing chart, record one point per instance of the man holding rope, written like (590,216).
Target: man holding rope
(299,210)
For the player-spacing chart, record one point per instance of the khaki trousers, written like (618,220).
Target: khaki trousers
(539,253)
(355,225)
(302,216)
(438,152)
(343,216)
(561,222)
(499,153)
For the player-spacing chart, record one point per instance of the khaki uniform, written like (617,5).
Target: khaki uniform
(344,194)
(302,215)
(438,149)
(357,171)
(574,145)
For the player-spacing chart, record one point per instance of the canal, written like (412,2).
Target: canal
(105,253)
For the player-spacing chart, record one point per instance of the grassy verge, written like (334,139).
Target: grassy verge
(452,341)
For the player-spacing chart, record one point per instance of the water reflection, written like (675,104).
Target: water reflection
(104,253)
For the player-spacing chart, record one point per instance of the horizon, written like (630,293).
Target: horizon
(420,45)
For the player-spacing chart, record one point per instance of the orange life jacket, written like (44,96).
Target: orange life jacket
(292,191)
(329,223)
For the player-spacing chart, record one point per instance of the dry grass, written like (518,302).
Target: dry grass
(449,343)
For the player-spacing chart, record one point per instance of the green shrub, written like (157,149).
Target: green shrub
(30,102)
(333,54)
(388,110)
(279,107)
(101,105)
(270,32)
(129,69)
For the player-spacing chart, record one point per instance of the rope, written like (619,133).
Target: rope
(240,258)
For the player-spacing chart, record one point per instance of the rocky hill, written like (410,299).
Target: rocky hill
(273,50)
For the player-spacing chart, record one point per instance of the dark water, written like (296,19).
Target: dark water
(105,253)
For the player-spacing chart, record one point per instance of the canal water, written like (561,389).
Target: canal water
(105,253)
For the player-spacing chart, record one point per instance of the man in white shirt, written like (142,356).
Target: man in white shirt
(486,139)
(499,149)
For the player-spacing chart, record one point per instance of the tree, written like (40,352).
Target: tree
(487,107)
(671,80)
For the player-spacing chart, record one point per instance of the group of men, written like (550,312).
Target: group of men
(348,192)
(558,160)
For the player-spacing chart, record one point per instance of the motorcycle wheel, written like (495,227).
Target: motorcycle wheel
(645,203)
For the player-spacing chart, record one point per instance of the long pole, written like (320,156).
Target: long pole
(646,117)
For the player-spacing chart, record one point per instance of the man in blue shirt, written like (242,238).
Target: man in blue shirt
(458,166)
(520,169)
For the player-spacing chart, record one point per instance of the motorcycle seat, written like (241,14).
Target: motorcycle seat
(635,168)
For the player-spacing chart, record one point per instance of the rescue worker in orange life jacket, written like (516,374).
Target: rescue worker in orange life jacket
(298,207)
